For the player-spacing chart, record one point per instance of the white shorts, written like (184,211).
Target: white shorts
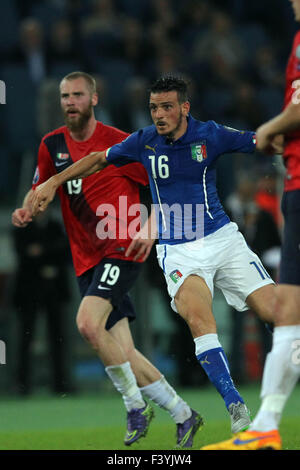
(223,259)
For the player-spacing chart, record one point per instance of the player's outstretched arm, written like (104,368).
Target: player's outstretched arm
(269,136)
(45,192)
(22,216)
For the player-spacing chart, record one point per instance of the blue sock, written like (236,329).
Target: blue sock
(215,364)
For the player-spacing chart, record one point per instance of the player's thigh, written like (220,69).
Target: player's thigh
(290,253)
(287,305)
(262,302)
(92,314)
(193,302)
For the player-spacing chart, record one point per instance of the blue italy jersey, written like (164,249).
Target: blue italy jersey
(182,175)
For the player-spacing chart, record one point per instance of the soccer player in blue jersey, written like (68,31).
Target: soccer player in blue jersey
(199,247)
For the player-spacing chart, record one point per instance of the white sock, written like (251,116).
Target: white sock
(125,382)
(206,342)
(281,373)
(166,397)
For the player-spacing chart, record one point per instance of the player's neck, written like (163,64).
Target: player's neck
(178,133)
(86,132)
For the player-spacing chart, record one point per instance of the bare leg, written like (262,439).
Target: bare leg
(150,380)
(91,320)
(261,301)
(126,366)
(194,304)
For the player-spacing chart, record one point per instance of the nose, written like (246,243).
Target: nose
(159,113)
(70,101)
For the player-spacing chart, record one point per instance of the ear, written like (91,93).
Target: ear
(186,106)
(95,99)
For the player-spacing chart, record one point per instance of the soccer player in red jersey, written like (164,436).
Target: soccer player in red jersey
(97,218)
(282,367)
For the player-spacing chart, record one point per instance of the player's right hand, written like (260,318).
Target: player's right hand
(21,217)
(278,144)
(42,196)
(268,142)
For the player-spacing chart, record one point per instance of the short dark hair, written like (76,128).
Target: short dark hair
(91,82)
(171,83)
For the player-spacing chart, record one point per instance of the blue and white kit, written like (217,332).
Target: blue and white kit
(182,177)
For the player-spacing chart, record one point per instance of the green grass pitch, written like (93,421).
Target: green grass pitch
(98,422)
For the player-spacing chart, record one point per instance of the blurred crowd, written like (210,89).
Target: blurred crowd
(233,53)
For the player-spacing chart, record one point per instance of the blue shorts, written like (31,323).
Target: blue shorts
(112,279)
(290,252)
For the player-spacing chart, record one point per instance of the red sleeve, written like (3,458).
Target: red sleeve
(45,168)
(136,172)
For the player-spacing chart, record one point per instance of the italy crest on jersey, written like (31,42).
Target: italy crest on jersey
(175,275)
(198,151)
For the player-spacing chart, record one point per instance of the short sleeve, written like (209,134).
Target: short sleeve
(45,168)
(125,152)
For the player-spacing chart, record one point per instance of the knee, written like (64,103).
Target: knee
(199,320)
(87,328)
(194,304)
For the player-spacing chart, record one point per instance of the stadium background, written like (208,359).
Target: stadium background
(234,54)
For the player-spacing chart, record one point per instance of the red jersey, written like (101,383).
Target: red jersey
(98,211)
(292,148)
